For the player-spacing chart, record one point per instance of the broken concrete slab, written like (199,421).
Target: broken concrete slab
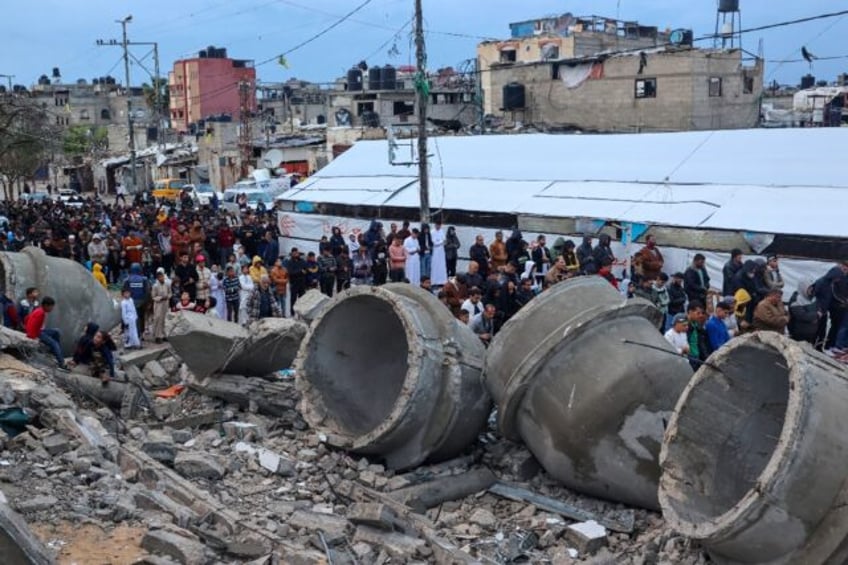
(160,446)
(269,460)
(373,514)
(154,374)
(266,397)
(398,545)
(586,537)
(11,339)
(333,527)
(56,444)
(209,346)
(18,545)
(272,345)
(140,357)
(310,305)
(204,343)
(183,549)
(83,427)
(35,504)
(193,465)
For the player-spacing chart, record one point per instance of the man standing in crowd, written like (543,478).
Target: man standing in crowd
(729,271)
(296,267)
(770,314)
(678,334)
(438,266)
(648,261)
(717,332)
(187,274)
(480,254)
(262,303)
(161,295)
(696,280)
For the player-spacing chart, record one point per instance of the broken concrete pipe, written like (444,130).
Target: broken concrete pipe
(388,371)
(79,298)
(570,381)
(755,456)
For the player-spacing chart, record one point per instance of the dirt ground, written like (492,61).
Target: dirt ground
(88,544)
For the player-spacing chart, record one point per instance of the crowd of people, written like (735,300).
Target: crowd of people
(165,257)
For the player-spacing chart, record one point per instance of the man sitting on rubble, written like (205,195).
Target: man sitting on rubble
(36,328)
(95,349)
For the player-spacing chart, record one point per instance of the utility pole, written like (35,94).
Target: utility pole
(124,23)
(422,85)
(245,133)
(9,78)
(160,133)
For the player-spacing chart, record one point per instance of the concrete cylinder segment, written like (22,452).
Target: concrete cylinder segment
(79,298)
(590,404)
(755,458)
(388,371)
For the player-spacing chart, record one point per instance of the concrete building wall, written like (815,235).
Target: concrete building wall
(200,88)
(492,55)
(682,100)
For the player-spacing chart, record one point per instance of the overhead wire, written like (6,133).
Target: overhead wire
(317,35)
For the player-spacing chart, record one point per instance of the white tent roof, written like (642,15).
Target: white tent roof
(785,181)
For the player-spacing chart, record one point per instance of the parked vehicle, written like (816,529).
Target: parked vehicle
(37,197)
(168,189)
(70,198)
(254,197)
(202,193)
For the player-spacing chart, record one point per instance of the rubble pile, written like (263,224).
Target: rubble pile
(211,448)
(210,481)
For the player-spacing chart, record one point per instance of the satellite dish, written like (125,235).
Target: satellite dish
(676,37)
(272,159)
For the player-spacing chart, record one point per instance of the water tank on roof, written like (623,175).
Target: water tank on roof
(513,96)
(222,53)
(354,79)
(808,81)
(202,54)
(95,81)
(56,73)
(210,51)
(43,80)
(389,78)
(375,78)
(110,80)
(728,5)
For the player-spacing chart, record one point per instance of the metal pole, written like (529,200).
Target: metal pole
(160,133)
(124,23)
(423,99)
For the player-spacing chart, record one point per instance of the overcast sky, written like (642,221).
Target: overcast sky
(38,35)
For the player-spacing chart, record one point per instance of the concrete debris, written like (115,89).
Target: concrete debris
(18,545)
(420,398)
(229,472)
(193,465)
(310,305)
(184,549)
(16,341)
(550,373)
(586,537)
(203,343)
(209,346)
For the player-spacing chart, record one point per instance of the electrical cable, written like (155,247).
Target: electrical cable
(317,35)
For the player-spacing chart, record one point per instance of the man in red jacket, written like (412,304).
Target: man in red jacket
(35,325)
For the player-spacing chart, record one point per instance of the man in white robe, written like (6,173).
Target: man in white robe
(413,262)
(438,265)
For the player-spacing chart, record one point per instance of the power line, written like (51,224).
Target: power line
(317,35)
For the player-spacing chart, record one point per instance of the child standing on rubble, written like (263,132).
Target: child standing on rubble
(128,319)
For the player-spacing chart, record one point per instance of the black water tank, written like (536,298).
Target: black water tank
(389,78)
(211,52)
(375,78)
(202,54)
(354,79)
(222,53)
(728,5)
(808,81)
(513,96)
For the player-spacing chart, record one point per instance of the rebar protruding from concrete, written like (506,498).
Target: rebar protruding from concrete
(755,458)
(388,371)
(589,406)
(79,298)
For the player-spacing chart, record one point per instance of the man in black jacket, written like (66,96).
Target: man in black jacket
(696,280)
(729,270)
